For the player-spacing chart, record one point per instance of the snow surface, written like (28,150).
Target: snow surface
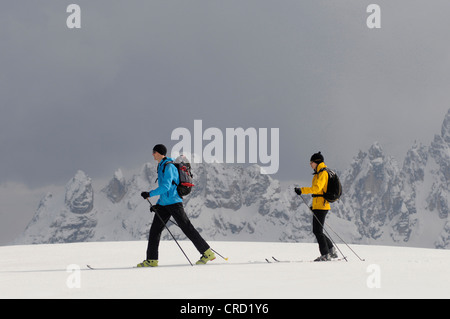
(46,271)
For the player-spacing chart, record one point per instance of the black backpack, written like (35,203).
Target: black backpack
(334,188)
(186,177)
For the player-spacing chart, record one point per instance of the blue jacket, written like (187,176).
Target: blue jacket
(167,190)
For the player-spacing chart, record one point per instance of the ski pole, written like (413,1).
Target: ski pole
(334,243)
(225,258)
(362,259)
(162,221)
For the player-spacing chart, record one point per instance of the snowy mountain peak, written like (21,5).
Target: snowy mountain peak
(414,163)
(439,196)
(376,152)
(116,188)
(445,129)
(79,194)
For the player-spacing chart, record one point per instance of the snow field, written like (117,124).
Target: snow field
(59,271)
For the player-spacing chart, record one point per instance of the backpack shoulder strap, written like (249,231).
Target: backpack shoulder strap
(321,170)
(165,164)
(164,168)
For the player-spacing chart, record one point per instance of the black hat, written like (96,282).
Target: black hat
(317,158)
(160,148)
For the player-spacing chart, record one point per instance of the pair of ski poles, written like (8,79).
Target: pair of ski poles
(162,221)
(334,243)
(225,258)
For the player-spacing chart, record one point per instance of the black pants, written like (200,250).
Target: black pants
(178,213)
(324,242)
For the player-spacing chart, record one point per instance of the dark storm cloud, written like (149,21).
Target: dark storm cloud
(100,97)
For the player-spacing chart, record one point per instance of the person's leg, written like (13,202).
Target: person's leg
(178,213)
(318,222)
(155,232)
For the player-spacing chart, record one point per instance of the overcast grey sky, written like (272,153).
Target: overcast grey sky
(98,98)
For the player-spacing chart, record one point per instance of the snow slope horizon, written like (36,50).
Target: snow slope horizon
(59,271)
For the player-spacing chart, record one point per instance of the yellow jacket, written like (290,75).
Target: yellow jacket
(319,186)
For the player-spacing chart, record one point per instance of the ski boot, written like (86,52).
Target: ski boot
(207,256)
(148,263)
(333,253)
(325,257)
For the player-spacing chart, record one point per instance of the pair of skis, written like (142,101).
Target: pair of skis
(271,260)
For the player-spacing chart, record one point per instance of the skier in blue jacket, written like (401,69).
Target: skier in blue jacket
(170,204)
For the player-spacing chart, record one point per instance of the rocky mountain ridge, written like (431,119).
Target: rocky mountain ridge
(383,203)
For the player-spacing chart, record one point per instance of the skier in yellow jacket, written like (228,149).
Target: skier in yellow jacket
(320,206)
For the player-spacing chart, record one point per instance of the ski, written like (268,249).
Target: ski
(133,267)
(251,262)
(302,261)
(110,268)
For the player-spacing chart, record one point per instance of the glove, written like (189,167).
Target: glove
(154,208)
(298,190)
(145,195)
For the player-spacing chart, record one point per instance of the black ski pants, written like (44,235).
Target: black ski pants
(324,242)
(178,213)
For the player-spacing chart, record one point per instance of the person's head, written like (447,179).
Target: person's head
(315,160)
(159,152)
